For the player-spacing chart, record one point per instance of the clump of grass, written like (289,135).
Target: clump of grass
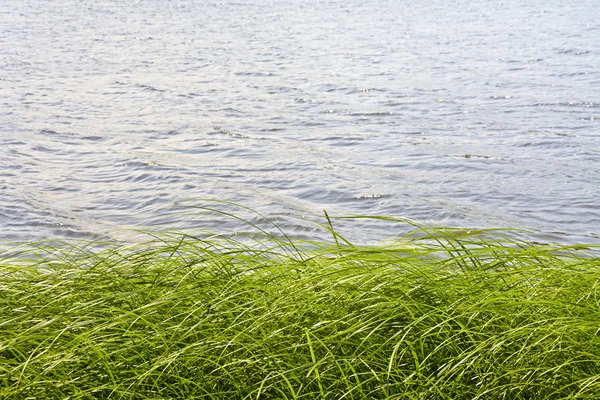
(437,314)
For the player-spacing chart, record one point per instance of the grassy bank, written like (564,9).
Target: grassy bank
(438,314)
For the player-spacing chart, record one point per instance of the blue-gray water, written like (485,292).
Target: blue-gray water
(464,113)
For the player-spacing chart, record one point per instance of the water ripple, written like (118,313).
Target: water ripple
(466,114)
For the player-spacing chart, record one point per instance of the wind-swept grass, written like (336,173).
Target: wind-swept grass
(437,314)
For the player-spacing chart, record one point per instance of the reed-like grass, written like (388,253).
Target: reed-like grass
(437,314)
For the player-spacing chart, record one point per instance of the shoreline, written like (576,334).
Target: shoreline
(439,314)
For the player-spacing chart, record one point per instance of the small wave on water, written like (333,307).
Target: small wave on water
(115,114)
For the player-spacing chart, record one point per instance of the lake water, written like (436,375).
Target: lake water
(120,113)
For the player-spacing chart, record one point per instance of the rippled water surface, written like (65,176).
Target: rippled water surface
(468,113)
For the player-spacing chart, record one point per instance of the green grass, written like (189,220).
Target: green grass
(436,314)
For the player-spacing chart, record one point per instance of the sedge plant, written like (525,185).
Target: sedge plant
(435,314)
